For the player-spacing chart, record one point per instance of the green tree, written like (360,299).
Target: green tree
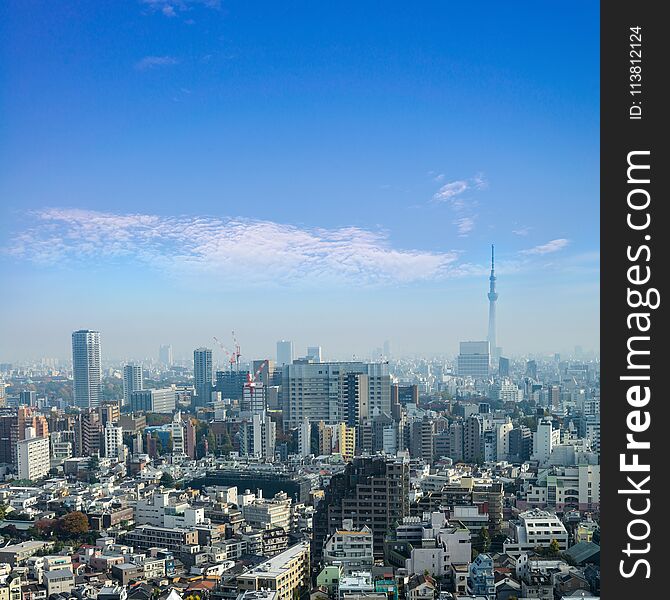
(484,539)
(3,511)
(167,480)
(554,548)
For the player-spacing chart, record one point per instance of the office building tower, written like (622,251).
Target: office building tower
(154,401)
(473,448)
(493,298)
(202,373)
(284,352)
(190,437)
(354,401)
(9,436)
(373,491)
(387,349)
(28,398)
(473,360)
(86,368)
(132,381)
(503,367)
(258,436)
(314,353)
(531,369)
(421,439)
(165,356)
(405,394)
(231,384)
(325,392)
(520,444)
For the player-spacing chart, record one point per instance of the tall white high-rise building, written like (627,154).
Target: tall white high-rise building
(113,441)
(132,381)
(86,368)
(314,353)
(284,352)
(165,355)
(202,372)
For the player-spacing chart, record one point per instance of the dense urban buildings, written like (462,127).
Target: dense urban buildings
(411,478)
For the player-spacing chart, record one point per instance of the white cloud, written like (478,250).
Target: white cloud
(450,190)
(480,182)
(548,248)
(522,231)
(243,251)
(150,62)
(170,8)
(464,225)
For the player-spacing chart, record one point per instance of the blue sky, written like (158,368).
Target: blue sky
(173,169)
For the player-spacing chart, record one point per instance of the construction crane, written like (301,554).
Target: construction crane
(254,391)
(236,352)
(229,354)
(260,368)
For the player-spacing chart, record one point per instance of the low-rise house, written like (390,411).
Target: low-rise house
(421,587)
(59,581)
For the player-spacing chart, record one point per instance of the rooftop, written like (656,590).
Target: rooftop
(276,565)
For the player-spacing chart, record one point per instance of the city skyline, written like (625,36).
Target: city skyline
(224,173)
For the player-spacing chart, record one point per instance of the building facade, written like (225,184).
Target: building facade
(86,368)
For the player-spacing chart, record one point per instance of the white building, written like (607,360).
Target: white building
(305,438)
(566,488)
(162,400)
(510,392)
(86,369)
(264,514)
(436,544)
(113,441)
(33,456)
(351,550)
(501,431)
(253,398)
(133,380)
(177,431)
(159,511)
(536,528)
(258,436)
(544,440)
(325,391)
